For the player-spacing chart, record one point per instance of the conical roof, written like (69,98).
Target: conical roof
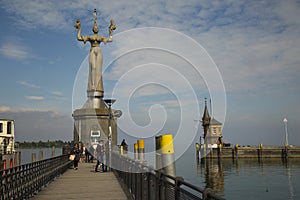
(206,117)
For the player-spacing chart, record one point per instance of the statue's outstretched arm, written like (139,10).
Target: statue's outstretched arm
(105,40)
(78,28)
(111,28)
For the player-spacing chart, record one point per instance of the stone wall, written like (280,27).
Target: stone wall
(255,152)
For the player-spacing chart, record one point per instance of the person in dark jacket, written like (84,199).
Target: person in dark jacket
(76,151)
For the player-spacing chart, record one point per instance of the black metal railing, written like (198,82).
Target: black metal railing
(144,182)
(22,182)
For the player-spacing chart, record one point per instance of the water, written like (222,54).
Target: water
(47,153)
(243,178)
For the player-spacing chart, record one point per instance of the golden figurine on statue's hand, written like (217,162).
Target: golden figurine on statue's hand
(77,24)
(112,27)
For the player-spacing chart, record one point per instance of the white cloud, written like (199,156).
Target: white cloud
(25,83)
(14,50)
(58,93)
(35,97)
(7,109)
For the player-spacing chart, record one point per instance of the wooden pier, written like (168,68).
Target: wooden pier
(83,183)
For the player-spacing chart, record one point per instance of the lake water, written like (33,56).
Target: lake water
(47,153)
(243,178)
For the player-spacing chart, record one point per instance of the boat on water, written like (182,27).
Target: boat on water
(7,144)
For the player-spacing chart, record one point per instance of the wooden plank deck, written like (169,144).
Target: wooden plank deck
(83,183)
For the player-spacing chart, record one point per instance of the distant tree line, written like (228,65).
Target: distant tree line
(42,144)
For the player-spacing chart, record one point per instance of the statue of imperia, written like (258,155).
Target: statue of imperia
(95,82)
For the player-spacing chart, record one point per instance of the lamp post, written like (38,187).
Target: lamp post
(286,133)
(109,102)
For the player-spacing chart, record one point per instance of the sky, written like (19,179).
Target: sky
(166,57)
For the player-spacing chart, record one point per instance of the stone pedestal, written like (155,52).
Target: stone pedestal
(91,126)
(92,120)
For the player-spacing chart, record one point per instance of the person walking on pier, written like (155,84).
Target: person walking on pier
(76,151)
(100,150)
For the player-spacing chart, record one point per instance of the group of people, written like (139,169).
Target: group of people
(98,151)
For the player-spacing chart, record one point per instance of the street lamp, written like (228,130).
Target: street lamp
(109,102)
(286,133)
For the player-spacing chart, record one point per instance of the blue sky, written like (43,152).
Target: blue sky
(255,46)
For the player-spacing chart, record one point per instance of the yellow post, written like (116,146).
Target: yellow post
(121,150)
(166,142)
(197,146)
(135,146)
(141,150)
(236,150)
(167,153)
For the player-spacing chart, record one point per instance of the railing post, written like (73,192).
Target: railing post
(206,193)
(178,182)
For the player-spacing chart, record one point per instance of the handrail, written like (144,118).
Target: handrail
(22,182)
(144,182)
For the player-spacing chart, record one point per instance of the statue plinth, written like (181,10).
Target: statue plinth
(95,99)
(91,126)
(95,94)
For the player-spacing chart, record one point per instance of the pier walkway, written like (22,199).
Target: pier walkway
(83,183)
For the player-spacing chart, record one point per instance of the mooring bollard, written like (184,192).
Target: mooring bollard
(236,150)
(168,164)
(121,151)
(33,157)
(40,155)
(17,158)
(141,150)
(158,161)
(197,151)
(260,152)
(167,154)
(220,151)
(53,151)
